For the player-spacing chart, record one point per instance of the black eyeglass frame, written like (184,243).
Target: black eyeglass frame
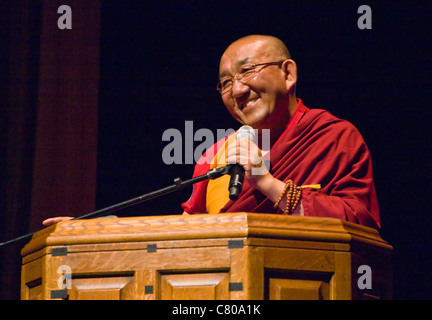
(240,76)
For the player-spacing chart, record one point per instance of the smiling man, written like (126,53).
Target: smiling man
(319,164)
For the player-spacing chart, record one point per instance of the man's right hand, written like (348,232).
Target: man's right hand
(51,221)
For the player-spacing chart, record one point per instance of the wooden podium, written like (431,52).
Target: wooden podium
(224,256)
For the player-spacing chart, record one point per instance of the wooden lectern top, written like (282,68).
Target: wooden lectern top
(334,232)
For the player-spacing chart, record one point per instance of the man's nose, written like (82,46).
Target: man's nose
(239,89)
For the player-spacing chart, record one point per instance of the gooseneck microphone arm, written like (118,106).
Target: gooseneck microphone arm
(178,185)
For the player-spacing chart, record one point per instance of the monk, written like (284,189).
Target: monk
(319,165)
(323,158)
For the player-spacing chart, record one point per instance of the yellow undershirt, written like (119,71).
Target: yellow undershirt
(217,195)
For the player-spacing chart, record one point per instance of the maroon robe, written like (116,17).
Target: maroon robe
(316,148)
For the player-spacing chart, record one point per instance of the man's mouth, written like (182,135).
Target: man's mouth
(248,104)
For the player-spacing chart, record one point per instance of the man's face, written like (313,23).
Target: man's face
(263,101)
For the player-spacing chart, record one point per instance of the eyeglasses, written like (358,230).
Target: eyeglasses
(246,73)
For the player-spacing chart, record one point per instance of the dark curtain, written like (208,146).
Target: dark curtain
(48,129)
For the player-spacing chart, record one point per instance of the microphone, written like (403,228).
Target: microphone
(237,171)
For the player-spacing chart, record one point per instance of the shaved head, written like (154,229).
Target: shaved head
(274,46)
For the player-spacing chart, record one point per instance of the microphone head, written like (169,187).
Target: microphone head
(246,132)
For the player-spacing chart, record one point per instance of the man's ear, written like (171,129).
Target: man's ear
(289,67)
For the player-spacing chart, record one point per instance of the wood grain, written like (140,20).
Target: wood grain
(192,257)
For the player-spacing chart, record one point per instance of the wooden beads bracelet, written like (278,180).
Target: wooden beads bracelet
(293,195)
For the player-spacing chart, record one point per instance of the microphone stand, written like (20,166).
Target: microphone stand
(178,185)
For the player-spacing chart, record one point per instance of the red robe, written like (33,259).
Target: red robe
(315,148)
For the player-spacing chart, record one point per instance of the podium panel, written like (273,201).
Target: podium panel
(216,257)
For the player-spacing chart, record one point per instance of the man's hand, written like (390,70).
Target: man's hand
(249,156)
(51,221)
